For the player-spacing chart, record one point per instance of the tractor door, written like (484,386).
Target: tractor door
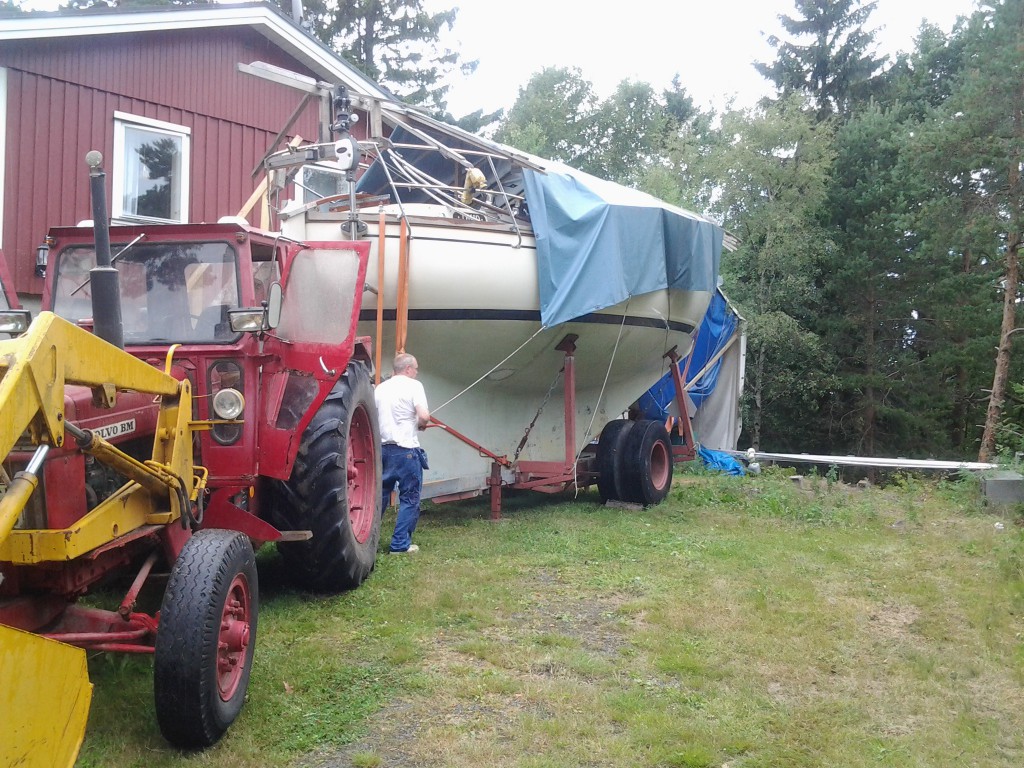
(312,345)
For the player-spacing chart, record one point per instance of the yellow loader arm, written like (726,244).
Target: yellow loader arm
(44,685)
(35,369)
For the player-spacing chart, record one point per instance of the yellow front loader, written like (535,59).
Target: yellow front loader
(61,390)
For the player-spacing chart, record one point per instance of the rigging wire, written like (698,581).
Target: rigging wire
(492,370)
(600,396)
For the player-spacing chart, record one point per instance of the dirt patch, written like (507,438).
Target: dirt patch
(892,621)
(469,726)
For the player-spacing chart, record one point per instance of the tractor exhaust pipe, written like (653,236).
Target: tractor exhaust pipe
(106,291)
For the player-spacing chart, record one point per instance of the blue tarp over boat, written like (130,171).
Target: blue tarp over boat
(716,331)
(598,243)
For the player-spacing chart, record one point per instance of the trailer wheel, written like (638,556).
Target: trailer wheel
(609,459)
(334,491)
(206,638)
(647,463)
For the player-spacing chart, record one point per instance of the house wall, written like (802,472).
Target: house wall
(61,97)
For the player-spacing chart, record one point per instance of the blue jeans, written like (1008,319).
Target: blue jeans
(402,467)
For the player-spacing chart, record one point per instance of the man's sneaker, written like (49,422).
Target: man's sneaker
(412,548)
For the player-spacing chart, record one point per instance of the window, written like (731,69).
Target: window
(319,302)
(151,165)
(321,180)
(172,291)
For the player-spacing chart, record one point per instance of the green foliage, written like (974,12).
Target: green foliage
(394,42)
(632,137)
(774,172)
(876,210)
(554,117)
(631,132)
(1010,437)
(963,171)
(828,60)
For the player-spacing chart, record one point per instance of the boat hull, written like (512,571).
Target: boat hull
(491,370)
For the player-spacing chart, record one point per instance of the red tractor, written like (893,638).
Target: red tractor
(239,410)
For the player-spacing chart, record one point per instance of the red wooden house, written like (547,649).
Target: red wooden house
(160,93)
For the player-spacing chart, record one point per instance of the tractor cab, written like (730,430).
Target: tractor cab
(260,325)
(177,289)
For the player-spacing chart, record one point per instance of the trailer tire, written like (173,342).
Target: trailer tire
(647,463)
(334,491)
(609,459)
(206,638)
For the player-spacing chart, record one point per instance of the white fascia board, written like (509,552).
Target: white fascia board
(262,19)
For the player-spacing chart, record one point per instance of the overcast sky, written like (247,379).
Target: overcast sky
(710,43)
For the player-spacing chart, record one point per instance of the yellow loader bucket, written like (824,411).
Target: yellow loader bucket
(44,696)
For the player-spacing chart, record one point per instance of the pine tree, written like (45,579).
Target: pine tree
(829,59)
(969,156)
(394,42)
(870,293)
(773,174)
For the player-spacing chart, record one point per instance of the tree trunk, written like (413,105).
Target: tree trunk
(1002,374)
(1012,278)
(755,430)
(867,437)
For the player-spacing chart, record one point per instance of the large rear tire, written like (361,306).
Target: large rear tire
(334,491)
(609,459)
(646,463)
(206,638)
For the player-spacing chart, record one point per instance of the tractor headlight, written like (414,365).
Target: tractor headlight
(228,404)
(15,321)
(247,320)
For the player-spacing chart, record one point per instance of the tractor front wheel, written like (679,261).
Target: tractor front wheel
(206,638)
(334,491)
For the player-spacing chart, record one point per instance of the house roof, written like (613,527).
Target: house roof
(264,18)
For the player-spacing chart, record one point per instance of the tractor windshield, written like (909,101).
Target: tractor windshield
(170,292)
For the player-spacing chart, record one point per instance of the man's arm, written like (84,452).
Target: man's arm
(419,402)
(422,417)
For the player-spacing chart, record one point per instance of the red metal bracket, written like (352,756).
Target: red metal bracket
(502,460)
(688,450)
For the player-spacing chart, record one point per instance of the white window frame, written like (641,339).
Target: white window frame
(182,132)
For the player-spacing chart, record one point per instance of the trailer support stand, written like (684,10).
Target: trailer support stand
(688,450)
(567,346)
(544,476)
(494,481)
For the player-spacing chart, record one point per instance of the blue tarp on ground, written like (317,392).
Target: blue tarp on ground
(715,331)
(598,243)
(719,461)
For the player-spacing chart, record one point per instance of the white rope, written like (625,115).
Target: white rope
(493,369)
(600,396)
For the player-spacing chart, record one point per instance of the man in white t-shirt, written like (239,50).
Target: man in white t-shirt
(402,411)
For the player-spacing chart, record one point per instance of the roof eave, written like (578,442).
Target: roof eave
(282,32)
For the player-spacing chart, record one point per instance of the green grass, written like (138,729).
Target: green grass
(743,622)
